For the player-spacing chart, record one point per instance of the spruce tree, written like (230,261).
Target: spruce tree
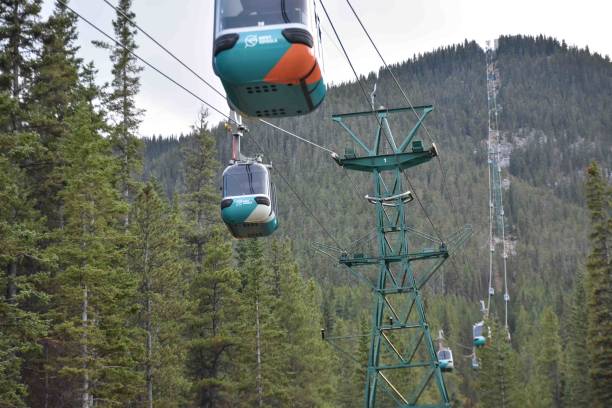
(212,328)
(154,252)
(256,370)
(55,85)
(21,326)
(121,102)
(299,354)
(19,39)
(95,353)
(578,382)
(599,287)
(213,340)
(497,383)
(52,97)
(21,224)
(363,351)
(201,197)
(548,361)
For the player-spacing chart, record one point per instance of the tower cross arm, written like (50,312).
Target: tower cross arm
(420,112)
(421,118)
(387,162)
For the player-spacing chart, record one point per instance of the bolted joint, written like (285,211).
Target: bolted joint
(433,150)
(336,158)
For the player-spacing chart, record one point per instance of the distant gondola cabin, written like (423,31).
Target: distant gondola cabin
(445,358)
(267,55)
(248,207)
(479,338)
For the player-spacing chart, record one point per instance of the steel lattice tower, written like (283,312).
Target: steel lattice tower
(403,368)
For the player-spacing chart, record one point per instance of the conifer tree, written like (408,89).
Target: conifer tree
(351,360)
(299,352)
(497,383)
(259,327)
(363,351)
(578,383)
(214,281)
(21,224)
(96,352)
(201,196)
(20,326)
(53,96)
(154,252)
(213,325)
(548,361)
(328,309)
(121,101)
(599,288)
(55,86)
(19,38)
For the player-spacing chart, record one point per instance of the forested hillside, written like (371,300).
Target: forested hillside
(554,120)
(121,286)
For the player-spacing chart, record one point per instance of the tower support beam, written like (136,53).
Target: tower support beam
(402,357)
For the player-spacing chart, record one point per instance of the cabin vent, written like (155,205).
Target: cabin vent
(261,89)
(271,112)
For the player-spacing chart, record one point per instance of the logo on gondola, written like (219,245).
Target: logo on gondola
(250,41)
(254,40)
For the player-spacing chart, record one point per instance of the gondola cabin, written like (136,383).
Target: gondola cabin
(445,358)
(248,207)
(267,55)
(475,362)
(479,338)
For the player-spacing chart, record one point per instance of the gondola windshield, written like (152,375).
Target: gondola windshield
(246,179)
(257,13)
(444,355)
(478,330)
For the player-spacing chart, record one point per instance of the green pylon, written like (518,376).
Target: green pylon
(402,360)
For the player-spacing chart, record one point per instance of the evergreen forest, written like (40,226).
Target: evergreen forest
(121,287)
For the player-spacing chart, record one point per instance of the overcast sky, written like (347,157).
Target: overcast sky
(401,29)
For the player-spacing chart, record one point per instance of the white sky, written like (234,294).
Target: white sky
(401,28)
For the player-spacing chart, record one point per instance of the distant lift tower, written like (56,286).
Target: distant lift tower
(497,232)
(403,369)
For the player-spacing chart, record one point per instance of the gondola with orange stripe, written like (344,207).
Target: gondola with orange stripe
(267,55)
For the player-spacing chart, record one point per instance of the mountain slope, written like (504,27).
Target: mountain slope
(555,117)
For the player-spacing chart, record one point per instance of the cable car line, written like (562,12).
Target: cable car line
(401,89)
(201,100)
(444,184)
(416,196)
(351,183)
(302,201)
(380,124)
(365,94)
(177,59)
(399,86)
(296,136)
(192,71)
(491,242)
(150,65)
(403,92)
(374,112)
(144,61)
(444,354)
(496,203)
(218,92)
